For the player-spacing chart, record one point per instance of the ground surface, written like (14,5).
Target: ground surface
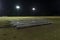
(45,32)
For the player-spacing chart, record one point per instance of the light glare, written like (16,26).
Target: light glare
(17,7)
(33,9)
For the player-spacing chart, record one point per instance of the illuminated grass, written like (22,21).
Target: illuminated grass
(46,32)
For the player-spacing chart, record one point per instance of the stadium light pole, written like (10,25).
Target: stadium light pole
(17,8)
(33,10)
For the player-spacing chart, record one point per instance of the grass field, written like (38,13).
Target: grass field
(44,32)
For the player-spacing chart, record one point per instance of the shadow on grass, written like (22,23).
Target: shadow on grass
(33,26)
(25,27)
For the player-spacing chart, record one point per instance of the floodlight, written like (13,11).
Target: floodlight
(33,9)
(17,7)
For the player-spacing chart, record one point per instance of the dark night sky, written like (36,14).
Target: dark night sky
(44,7)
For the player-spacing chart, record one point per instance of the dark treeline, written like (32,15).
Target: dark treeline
(32,14)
